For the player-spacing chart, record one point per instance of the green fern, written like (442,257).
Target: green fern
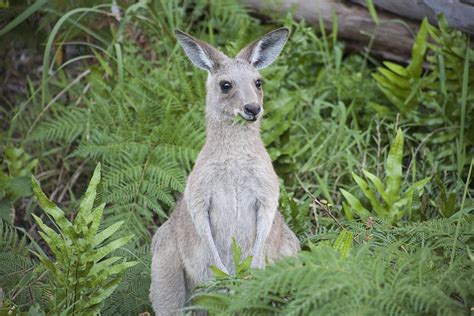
(10,240)
(15,169)
(18,280)
(398,276)
(388,200)
(131,295)
(403,85)
(434,99)
(147,134)
(81,277)
(343,243)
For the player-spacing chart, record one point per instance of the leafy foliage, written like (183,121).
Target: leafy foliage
(14,182)
(146,159)
(18,279)
(116,89)
(343,242)
(403,85)
(395,203)
(131,296)
(390,273)
(439,99)
(80,277)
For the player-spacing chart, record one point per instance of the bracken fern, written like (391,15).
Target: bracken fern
(389,272)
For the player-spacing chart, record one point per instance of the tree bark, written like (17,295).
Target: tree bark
(459,13)
(392,38)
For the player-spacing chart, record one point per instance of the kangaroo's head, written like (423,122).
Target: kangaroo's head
(234,85)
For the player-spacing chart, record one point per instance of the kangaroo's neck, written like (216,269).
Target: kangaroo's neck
(233,135)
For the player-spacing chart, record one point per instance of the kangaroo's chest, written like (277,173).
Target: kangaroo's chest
(234,196)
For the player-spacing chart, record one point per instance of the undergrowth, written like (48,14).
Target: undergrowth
(400,271)
(373,157)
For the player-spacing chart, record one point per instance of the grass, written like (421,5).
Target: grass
(130,100)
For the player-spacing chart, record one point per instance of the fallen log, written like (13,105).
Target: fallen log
(391,38)
(459,13)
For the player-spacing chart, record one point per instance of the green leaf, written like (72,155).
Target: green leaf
(377,184)
(53,239)
(103,294)
(19,187)
(363,185)
(103,63)
(121,267)
(218,274)
(399,209)
(13,154)
(96,218)
(35,310)
(394,167)
(23,16)
(6,210)
(356,205)
(394,78)
(110,247)
(236,252)
(84,216)
(347,211)
(399,70)
(47,263)
(279,119)
(343,243)
(419,185)
(50,208)
(372,11)
(218,301)
(106,233)
(418,51)
(244,266)
(102,265)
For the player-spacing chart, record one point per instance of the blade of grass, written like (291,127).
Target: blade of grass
(372,11)
(52,36)
(78,78)
(23,16)
(465,83)
(118,50)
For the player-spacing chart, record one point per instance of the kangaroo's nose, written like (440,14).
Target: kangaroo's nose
(252,109)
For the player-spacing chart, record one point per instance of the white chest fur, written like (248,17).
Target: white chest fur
(234,179)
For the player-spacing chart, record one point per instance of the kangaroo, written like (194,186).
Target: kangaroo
(232,191)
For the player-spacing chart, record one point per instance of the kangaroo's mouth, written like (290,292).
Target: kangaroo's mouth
(249,118)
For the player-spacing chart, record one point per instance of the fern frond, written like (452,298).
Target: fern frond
(131,296)
(394,275)
(64,127)
(10,240)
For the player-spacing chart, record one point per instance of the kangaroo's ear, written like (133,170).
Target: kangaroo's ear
(264,51)
(201,54)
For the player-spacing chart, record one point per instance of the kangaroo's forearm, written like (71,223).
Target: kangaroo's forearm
(265,216)
(200,217)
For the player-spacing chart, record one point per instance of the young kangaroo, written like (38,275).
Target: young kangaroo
(232,192)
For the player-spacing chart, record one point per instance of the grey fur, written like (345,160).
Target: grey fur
(231,192)
(263,52)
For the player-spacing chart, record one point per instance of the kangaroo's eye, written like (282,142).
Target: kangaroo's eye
(258,83)
(225,86)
